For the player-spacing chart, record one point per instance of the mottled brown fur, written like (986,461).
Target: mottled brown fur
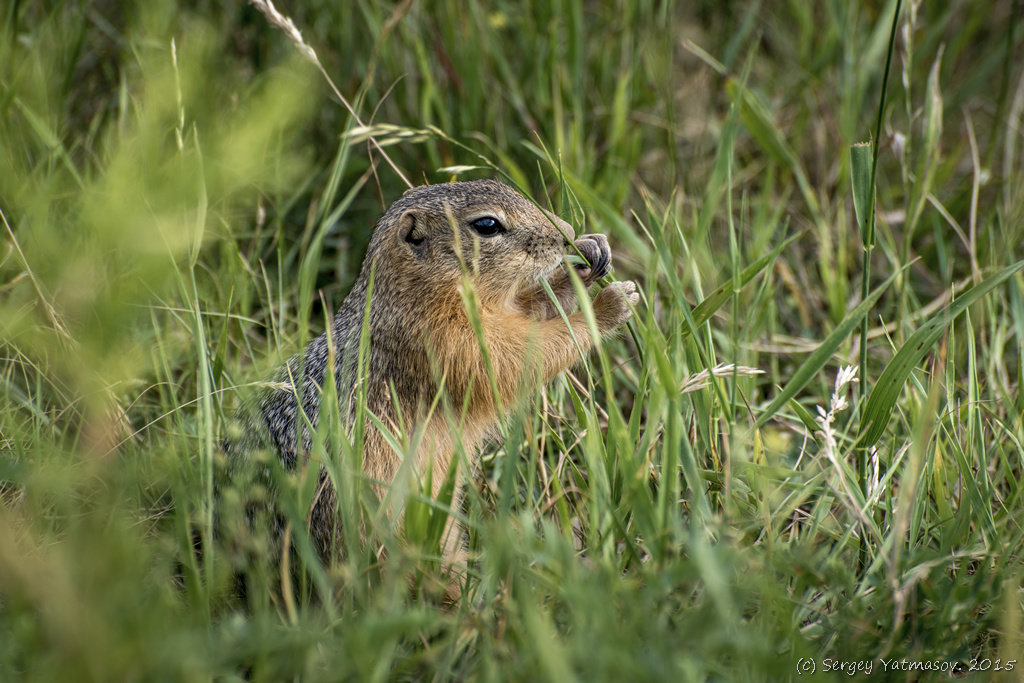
(422,254)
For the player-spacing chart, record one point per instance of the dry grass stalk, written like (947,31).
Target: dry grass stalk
(703,378)
(267,9)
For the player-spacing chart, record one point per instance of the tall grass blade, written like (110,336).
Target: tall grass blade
(703,311)
(890,383)
(821,355)
(861,159)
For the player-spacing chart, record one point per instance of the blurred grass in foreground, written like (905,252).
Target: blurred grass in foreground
(184,211)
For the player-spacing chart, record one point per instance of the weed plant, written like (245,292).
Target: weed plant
(185,202)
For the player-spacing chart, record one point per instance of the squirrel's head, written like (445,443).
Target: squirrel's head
(484,228)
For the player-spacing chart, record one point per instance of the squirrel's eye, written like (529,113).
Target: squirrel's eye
(488,226)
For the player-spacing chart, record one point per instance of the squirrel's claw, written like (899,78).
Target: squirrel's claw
(598,254)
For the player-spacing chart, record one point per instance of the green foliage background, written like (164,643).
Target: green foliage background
(185,202)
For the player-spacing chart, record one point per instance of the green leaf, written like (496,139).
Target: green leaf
(860,165)
(703,311)
(924,173)
(890,383)
(39,126)
(823,353)
(806,416)
(202,203)
(759,121)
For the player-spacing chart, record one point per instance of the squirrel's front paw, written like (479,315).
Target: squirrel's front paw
(612,304)
(598,254)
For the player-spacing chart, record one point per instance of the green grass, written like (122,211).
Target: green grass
(185,210)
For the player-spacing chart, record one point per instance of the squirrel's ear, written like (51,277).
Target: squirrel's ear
(412,233)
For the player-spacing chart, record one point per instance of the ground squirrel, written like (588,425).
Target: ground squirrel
(423,251)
